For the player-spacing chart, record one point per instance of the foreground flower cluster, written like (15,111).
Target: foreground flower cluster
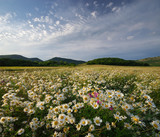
(79,102)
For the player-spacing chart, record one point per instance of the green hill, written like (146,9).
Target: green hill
(152,61)
(116,61)
(19,57)
(58,59)
(18,60)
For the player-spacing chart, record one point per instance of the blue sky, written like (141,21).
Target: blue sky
(80,29)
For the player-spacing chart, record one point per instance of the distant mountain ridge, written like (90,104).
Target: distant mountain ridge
(58,59)
(20,57)
(153,61)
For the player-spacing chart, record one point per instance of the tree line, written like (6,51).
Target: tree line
(116,61)
(18,62)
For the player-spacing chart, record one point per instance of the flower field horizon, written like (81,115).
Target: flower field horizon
(83,101)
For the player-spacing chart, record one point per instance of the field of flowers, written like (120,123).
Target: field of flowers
(86,101)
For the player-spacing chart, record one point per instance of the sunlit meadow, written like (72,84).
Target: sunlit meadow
(86,101)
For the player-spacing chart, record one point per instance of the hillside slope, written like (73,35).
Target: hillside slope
(58,59)
(153,61)
(20,57)
(116,61)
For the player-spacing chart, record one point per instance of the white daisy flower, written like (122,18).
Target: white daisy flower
(83,122)
(95,105)
(156,124)
(20,132)
(89,135)
(108,126)
(97,121)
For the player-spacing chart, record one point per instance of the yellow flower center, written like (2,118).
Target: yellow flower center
(145,97)
(135,119)
(107,125)
(62,117)
(155,125)
(106,106)
(117,117)
(56,122)
(56,109)
(97,121)
(65,106)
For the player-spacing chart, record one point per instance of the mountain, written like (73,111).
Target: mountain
(58,59)
(19,57)
(152,61)
(116,61)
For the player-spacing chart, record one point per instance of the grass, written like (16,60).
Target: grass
(66,101)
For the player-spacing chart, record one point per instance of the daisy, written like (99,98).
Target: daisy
(95,105)
(89,121)
(56,110)
(91,127)
(78,126)
(117,117)
(89,135)
(69,111)
(65,106)
(146,96)
(62,117)
(55,124)
(3,120)
(113,124)
(108,126)
(97,121)
(72,120)
(83,122)
(135,119)
(127,125)
(85,98)
(20,132)
(156,124)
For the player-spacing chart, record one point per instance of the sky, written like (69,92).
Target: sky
(80,29)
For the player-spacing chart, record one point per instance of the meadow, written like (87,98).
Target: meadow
(83,101)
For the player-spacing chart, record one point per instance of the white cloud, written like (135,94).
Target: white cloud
(57,22)
(43,19)
(94,14)
(114,8)
(5,18)
(51,27)
(55,4)
(87,4)
(109,5)
(130,37)
(28,14)
(95,3)
(37,9)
